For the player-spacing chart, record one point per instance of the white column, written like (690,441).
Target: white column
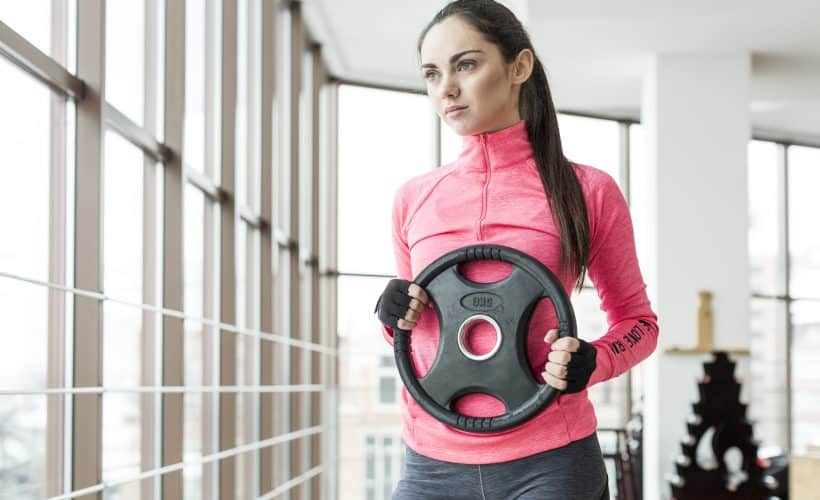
(695,113)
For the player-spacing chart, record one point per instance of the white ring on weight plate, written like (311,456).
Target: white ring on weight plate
(462,329)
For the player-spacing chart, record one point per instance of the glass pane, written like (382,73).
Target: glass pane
(24,190)
(194,133)
(241,321)
(639,192)
(194,275)
(804,205)
(766,386)
(577,133)
(387,390)
(765,219)
(254,152)
(306,178)
(371,462)
(121,444)
(194,365)
(451,143)
(387,482)
(805,374)
(123,176)
(125,57)
(241,152)
(122,327)
(23,457)
(158,82)
(24,309)
(365,244)
(608,398)
(32,22)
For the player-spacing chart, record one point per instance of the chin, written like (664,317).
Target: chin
(460,127)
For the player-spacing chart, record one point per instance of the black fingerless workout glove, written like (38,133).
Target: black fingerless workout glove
(580,367)
(393,302)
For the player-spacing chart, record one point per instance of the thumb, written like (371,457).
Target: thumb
(551,336)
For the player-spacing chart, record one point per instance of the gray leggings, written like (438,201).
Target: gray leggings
(575,472)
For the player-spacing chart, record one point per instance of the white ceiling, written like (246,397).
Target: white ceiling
(595,51)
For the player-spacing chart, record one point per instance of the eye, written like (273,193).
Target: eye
(471,63)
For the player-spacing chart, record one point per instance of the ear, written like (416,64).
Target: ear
(522,66)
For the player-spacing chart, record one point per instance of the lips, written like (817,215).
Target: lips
(451,109)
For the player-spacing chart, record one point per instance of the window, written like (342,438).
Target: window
(133,188)
(579,134)
(804,287)
(370,155)
(785,302)
(24,226)
(767,387)
(388,380)
(384,463)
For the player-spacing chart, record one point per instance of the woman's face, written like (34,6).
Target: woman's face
(461,68)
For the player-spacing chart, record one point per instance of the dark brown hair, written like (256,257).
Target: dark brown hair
(500,27)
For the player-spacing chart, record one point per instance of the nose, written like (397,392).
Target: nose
(449,87)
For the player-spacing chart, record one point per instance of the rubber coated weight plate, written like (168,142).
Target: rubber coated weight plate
(503,372)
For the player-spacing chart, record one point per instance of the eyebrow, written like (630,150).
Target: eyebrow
(453,58)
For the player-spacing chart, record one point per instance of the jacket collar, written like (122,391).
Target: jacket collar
(502,148)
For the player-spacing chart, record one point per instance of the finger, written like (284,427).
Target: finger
(412,315)
(559,371)
(569,344)
(403,324)
(416,305)
(555,382)
(551,336)
(560,357)
(419,293)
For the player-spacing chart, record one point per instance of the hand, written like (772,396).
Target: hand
(401,304)
(570,364)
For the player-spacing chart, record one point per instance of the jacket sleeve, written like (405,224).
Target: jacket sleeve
(632,334)
(401,251)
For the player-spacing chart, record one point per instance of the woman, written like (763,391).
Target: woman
(511,185)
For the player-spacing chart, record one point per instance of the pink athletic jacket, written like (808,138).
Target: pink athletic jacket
(492,194)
